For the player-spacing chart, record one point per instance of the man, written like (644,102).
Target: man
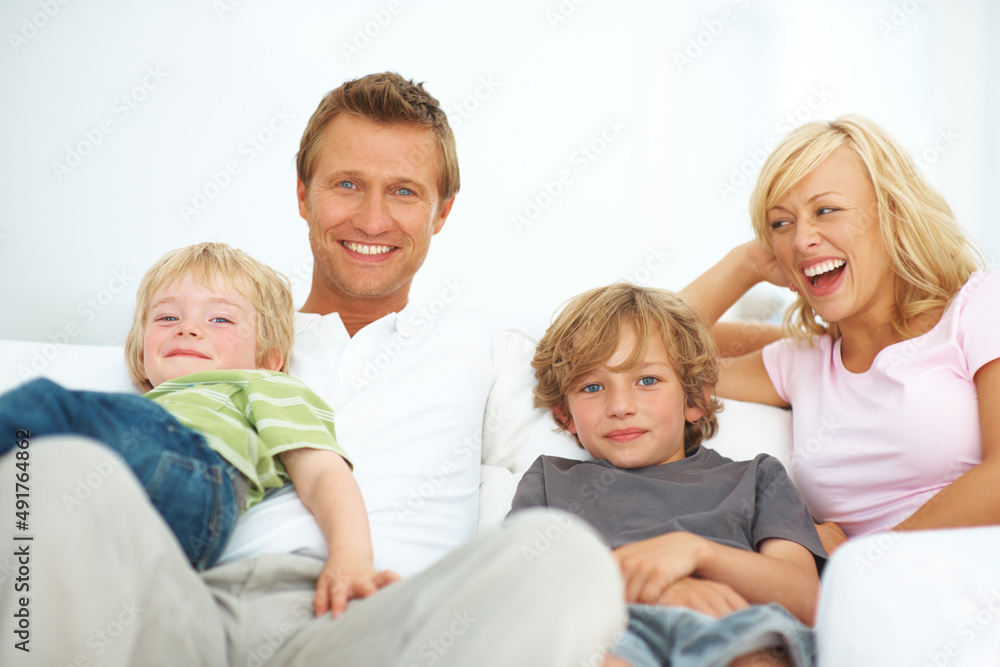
(103,582)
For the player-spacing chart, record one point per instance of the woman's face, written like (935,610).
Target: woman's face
(825,236)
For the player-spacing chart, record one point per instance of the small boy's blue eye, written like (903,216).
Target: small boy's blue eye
(219,319)
(592,388)
(647,381)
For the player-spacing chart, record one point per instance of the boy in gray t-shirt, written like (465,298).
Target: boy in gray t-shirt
(719,556)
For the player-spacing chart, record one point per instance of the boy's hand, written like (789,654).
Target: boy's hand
(712,598)
(653,566)
(337,585)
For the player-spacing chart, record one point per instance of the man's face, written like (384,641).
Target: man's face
(372,208)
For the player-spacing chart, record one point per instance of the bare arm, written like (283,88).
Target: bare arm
(715,291)
(783,571)
(742,375)
(328,489)
(974,498)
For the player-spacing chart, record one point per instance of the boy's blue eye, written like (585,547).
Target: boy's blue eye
(220,319)
(591,388)
(647,381)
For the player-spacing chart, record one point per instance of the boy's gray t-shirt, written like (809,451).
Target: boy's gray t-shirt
(736,503)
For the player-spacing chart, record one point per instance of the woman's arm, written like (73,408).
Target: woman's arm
(783,571)
(715,291)
(742,375)
(974,498)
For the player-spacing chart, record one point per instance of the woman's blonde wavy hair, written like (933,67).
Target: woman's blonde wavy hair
(929,252)
(589,329)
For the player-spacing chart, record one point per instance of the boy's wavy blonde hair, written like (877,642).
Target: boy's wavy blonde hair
(268,291)
(589,329)
(927,249)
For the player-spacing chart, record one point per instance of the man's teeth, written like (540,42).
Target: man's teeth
(367,249)
(823,267)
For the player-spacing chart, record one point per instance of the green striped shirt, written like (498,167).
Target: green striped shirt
(250,416)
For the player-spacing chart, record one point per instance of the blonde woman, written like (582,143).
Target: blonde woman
(888,363)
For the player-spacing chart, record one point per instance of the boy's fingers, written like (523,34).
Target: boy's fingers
(385,577)
(340,597)
(321,601)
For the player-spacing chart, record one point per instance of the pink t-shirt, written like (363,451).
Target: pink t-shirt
(871,448)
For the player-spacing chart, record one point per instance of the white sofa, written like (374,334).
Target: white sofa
(920,599)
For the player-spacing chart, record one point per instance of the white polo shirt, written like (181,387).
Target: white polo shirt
(408,394)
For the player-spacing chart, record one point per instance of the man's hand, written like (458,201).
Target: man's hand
(712,598)
(831,535)
(651,567)
(337,585)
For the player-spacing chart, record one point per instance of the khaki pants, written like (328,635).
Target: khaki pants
(103,582)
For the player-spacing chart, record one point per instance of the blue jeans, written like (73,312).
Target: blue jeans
(681,637)
(199,494)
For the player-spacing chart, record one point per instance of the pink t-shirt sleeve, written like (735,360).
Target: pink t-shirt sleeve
(980,319)
(783,361)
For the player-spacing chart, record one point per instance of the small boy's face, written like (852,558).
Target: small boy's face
(192,328)
(632,418)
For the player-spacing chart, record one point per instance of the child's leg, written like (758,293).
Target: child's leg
(190,484)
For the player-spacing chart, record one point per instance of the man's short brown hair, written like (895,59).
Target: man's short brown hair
(383,98)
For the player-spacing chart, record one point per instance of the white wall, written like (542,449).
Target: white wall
(156,97)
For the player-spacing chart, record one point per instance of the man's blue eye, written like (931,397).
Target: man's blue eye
(348,185)
(592,388)
(405,191)
(647,381)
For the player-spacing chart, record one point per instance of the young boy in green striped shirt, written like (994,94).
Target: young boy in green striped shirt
(220,422)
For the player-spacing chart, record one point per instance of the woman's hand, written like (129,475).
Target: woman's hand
(831,535)
(765,264)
